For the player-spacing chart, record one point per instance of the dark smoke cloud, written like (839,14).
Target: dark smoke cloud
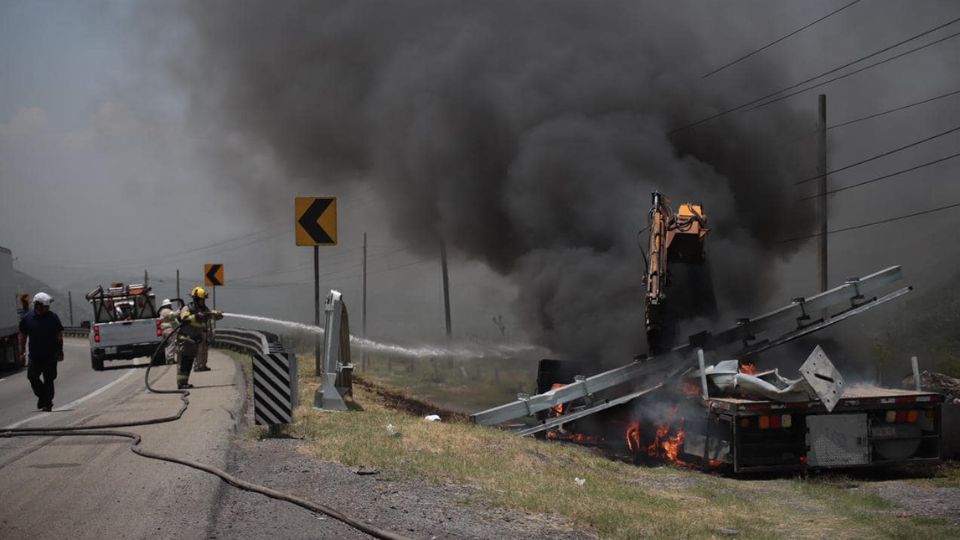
(527,135)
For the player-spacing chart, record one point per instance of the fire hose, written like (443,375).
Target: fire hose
(107,430)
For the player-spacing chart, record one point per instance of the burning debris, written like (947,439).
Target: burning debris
(675,408)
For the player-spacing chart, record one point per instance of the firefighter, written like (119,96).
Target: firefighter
(169,323)
(193,321)
(201,362)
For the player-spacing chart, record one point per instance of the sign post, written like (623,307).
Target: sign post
(213,277)
(316,225)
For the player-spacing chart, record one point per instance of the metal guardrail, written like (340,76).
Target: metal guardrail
(247,341)
(76,331)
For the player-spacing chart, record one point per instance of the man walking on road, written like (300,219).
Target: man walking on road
(44,331)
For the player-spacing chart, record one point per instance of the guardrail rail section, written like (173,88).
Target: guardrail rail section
(275,393)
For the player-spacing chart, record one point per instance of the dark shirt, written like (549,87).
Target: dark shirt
(42,331)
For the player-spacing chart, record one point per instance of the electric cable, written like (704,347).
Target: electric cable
(878,156)
(103,430)
(811,132)
(884,177)
(895,109)
(854,72)
(778,40)
(872,223)
(762,100)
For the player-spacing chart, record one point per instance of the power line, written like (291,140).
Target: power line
(856,71)
(349,263)
(895,109)
(774,42)
(872,223)
(878,156)
(806,134)
(763,99)
(884,177)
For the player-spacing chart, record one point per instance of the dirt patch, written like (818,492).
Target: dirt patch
(400,401)
(410,507)
(911,499)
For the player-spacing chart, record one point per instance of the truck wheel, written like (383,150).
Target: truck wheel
(97,363)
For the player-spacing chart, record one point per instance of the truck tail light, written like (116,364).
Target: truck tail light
(901,417)
(775,421)
(159,330)
(744,422)
(764,422)
(96,333)
(891,417)
(786,421)
(912,416)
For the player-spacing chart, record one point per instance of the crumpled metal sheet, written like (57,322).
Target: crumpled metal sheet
(820,380)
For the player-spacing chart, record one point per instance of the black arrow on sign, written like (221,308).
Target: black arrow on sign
(212,273)
(309,221)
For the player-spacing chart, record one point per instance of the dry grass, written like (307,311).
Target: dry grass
(618,500)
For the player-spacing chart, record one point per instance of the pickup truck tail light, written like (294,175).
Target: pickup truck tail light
(159,330)
(96,333)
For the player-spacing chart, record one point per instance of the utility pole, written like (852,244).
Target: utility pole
(822,199)
(146,279)
(70,306)
(363,315)
(178,283)
(446,286)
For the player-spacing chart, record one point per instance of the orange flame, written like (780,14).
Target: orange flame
(664,444)
(633,437)
(749,369)
(560,408)
(690,389)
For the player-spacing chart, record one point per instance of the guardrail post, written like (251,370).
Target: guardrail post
(336,356)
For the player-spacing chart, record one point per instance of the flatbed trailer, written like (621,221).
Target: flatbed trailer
(868,427)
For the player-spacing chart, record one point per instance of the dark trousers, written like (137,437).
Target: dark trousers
(41,375)
(188,351)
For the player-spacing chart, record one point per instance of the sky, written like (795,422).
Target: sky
(138,136)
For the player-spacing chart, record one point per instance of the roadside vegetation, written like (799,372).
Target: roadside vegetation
(618,500)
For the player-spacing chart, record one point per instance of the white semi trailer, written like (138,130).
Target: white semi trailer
(9,320)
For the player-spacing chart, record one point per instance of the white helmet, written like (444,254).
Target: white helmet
(166,302)
(42,298)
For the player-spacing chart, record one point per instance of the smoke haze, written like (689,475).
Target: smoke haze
(527,136)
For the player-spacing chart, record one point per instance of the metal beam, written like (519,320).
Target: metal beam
(560,420)
(851,295)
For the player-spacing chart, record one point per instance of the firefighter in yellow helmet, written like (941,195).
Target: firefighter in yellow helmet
(193,323)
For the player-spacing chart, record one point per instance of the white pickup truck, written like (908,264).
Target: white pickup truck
(125,326)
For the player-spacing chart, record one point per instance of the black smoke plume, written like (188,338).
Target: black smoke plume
(527,135)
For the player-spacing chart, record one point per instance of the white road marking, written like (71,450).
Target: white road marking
(76,402)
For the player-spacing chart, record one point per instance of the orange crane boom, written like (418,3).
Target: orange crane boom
(674,237)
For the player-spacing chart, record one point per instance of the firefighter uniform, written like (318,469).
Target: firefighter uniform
(168,323)
(203,347)
(193,323)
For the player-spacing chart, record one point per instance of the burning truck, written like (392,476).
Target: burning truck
(704,402)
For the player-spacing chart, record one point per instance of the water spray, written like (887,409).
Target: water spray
(460,351)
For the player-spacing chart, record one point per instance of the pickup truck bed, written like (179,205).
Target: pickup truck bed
(123,340)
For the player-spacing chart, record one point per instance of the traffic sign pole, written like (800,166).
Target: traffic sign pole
(316,308)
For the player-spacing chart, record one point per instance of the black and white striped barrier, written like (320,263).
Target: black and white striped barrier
(274,388)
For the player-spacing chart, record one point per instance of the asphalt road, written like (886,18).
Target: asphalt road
(75,380)
(95,487)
